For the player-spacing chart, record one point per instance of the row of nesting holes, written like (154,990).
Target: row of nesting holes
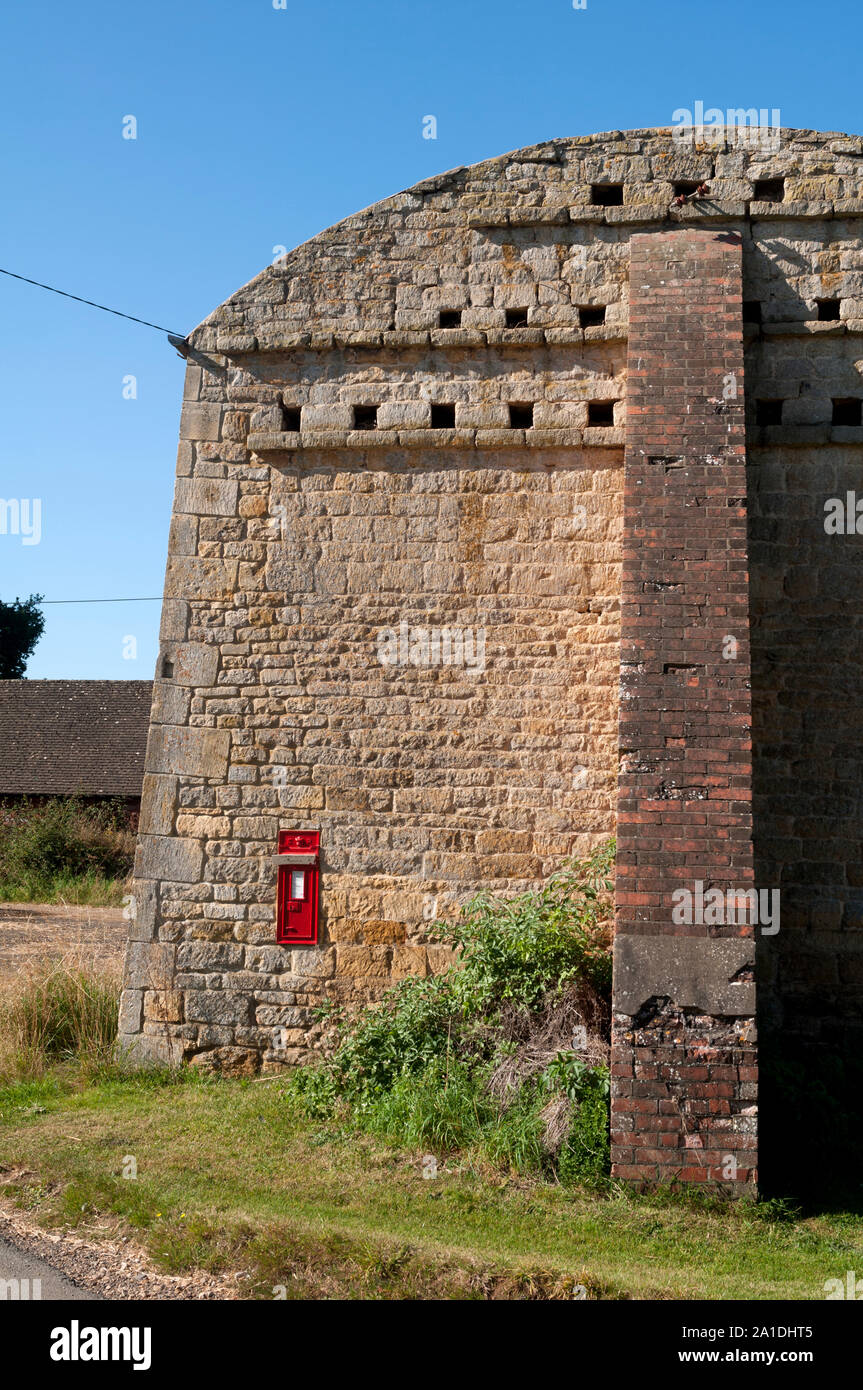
(846,411)
(827,310)
(589,316)
(593,315)
(600,415)
(610,195)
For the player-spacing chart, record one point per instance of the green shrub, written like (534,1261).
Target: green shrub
(455,1062)
(399,1037)
(63,848)
(520,948)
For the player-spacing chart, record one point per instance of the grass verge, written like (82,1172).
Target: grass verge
(233,1175)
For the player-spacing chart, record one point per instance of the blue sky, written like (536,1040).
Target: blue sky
(257,127)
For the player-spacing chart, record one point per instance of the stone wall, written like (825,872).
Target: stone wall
(426,781)
(418,418)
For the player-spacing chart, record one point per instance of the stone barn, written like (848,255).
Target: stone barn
(514,512)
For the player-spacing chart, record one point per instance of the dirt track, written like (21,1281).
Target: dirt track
(31,931)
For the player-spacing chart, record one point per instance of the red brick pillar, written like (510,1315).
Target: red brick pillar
(684,1060)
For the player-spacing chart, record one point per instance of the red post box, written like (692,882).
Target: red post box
(298,863)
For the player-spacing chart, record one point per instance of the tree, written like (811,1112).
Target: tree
(21,626)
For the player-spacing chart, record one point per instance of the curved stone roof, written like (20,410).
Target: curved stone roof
(341,284)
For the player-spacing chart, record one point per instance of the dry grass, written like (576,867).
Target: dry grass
(576,1019)
(58,1008)
(91,938)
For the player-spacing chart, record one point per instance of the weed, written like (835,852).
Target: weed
(481,1058)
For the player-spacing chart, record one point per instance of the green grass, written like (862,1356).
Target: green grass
(73,890)
(394,1172)
(233,1176)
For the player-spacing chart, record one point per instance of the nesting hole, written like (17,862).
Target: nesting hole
(606,195)
(600,414)
(521,416)
(769,190)
(365,417)
(443,417)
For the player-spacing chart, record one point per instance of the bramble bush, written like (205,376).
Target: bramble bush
(506,1053)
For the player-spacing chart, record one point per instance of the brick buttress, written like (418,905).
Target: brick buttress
(684,1047)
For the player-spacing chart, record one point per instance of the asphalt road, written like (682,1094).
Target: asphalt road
(15,1264)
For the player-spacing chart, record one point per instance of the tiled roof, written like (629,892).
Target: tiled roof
(63,737)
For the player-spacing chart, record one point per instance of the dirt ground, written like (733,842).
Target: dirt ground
(30,932)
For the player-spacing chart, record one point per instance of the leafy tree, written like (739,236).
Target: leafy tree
(21,626)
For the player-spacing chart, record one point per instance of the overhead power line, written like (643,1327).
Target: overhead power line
(93,305)
(153,598)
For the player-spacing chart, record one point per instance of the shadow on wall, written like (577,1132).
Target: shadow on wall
(807,695)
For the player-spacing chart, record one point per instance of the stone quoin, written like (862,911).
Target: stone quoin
(586,403)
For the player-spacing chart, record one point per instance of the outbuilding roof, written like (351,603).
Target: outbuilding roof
(68,737)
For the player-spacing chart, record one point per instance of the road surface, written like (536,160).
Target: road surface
(17,1266)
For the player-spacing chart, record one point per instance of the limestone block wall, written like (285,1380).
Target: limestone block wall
(278,704)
